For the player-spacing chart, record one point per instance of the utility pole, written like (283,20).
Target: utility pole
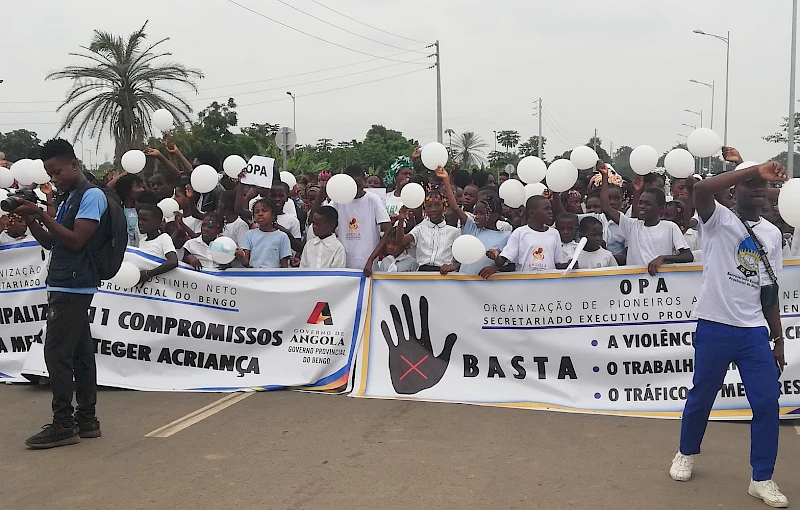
(790,151)
(595,139)
(539,145)
(439,133)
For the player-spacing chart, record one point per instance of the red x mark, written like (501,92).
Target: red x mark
(413,367)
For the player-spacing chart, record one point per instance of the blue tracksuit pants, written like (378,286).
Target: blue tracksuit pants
(715,347)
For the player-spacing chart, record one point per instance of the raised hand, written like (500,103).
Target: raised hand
(152,153)
(731,155)
(442,174)
(412,365)
(638,183)
(773,171)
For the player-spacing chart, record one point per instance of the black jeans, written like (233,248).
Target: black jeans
(69,354)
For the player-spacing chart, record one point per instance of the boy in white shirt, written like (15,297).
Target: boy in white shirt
(324,251)
(361,221)
(235,227)
(433,238)
(154,242)
(567,226)
(594,255)
(651,242)
(534,247)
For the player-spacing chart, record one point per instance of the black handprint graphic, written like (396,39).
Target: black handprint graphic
(412,366)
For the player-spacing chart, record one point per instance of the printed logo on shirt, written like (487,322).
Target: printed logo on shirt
(353,224)
(747,257)
(538,253)
(321,314)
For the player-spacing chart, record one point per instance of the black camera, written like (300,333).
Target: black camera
(14,199)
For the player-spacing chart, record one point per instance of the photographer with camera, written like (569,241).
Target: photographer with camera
(83,241)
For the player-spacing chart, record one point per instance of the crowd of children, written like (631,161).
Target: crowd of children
(277,227)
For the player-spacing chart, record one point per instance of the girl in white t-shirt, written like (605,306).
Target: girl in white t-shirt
(155,242)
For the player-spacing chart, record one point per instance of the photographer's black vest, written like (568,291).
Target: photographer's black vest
(75,269)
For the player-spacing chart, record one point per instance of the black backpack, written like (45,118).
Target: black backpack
(111,251)
(107,250)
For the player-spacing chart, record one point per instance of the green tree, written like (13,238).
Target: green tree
(16,144)
(530,147)
(782,136)
(508,139)
(498,160)
(120,87)
(597,144)
(468,150)
(449,132)
(380,148)
(622,162)
(324,144)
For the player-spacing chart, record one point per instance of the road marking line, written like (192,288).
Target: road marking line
(199,415)
(797,429)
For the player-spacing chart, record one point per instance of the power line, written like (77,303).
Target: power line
(312,35)
(569,135)
(366,25)
(339,88)
(306,73)
(449,120)
(340,28)
(295,84)
(551,122)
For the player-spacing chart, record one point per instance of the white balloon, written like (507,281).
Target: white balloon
(169,206)
(583,157)
(133,161)
(204,178)
(513,193)
(704,143)
(468,249)
(127,276)
(6,178)
(789,202)
(3,196)
(531,169)
(233,166)
(561,175)
(223,250)
(746,164)
(434,155)
(289,179)
(679,163)
(21,171)
(643,159)
(341,188)
(37,173)
(162,120)
(412,195)
(535,188)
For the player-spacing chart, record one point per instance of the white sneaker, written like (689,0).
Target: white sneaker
(768,492)
(681,469)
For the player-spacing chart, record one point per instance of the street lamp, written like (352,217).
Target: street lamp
(792,71)
(727,41)
(699,114)
(689,125)
(294,111)
(711,86)
(90,157)
(495,140)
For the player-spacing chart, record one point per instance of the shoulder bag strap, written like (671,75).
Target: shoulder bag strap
(761,253)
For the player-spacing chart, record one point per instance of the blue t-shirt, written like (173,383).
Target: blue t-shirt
(491,239)
(93,205)
(267,248)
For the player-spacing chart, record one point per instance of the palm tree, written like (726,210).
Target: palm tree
(468,150)
(449,132)
(508,139)
(121,87)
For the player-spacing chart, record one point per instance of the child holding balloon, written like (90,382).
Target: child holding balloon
(154,242)
(483,226)
(433,237)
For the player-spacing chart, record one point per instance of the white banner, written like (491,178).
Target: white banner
(221,331)
(603,341)
(23,305)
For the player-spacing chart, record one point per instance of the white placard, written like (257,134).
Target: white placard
(259,172)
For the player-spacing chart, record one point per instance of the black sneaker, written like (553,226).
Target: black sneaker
(89,430)
(53,435)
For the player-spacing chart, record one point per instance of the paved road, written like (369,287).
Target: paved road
(289,450)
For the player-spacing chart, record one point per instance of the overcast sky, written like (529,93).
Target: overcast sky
(620,66)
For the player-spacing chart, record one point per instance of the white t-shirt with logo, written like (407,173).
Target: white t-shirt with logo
(533,251)
(645,244)
(359,229)
(393,203)
(158,247)
(596,259)
(732,271)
